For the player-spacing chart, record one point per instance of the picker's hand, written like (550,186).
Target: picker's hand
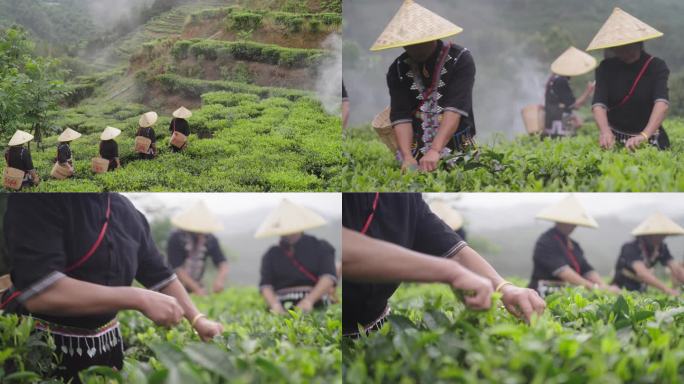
(163,309)
(522,302)
(278,309)
(607,140)
(672,292)
(591,86)
(428,163)
(612,288)
(409,164)
(478,290)
(218,285)
(634,142)
(305,305)
(208,329)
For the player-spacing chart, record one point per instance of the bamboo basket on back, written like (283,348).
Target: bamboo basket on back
(383,127)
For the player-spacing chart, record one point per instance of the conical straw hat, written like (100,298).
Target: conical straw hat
(621,28)
(20,137)
(414,24)
(197,219)
(148,119)
(568,211)
(68,135)
(182,113)
(288,219)
(573,62)
(658,224)
(109,133)
(449,215)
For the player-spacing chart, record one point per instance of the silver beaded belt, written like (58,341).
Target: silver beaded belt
(72,341)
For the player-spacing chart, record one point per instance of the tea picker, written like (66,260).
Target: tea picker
(559,260)
(20,171)
(389,238)
(109,152)
(631,99)
(299,271)
(78,276)
(145,138)
(64,162)
(638,257)
(430,87)
(189,247)
(179,129)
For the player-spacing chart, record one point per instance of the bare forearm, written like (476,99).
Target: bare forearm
(222,274)
(71,297)
(447,129)
(322,287)
(594,277)
(270,296)
(646,276)
(658,115)
(582,99)
(472,260)
(187,280)
(572,277)
(404,135)
(176,289)
(601,117)
(368,259)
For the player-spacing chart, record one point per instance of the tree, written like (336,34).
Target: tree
(30,86)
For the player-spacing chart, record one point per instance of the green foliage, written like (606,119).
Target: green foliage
(525,164)
(30,86)
(677,94)
(244,21)
(239,142)
(24,357)
(248,51)
(583,337)
(256,346)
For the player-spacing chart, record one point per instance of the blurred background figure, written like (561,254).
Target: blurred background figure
(638,257)
(558,259)
(449,216)
(190,246)
(561,120)
(301,269)
(345,108)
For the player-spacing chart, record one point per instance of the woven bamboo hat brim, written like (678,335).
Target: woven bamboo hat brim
(449,215)
(573,62)
(621,28)
(658,224)
(182,113)
(20,137)
(288,219)
(68,135)
(198,219)
(148,119)
(414,24)
(568,211)
(110,133)
(382,119)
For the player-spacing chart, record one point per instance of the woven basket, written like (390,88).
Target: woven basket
(12,178)
(5,283)
(100,165)
(383,127)
(178,139)
(142,144)
(533,117)
(60,172)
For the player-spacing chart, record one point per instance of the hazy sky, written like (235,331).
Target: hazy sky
(328,204)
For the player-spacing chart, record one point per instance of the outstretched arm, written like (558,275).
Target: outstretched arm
(646,276)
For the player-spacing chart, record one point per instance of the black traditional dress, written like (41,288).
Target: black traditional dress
(185,252)
(638,250)
(292,271)
(420,93)
(64,155)
(400,218)
(19,157)
(96,238)
(559,105)
(553,253)
(629,92)
(109,150)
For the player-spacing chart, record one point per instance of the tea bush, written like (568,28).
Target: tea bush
(583,337)
(524,164)
(256,347)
